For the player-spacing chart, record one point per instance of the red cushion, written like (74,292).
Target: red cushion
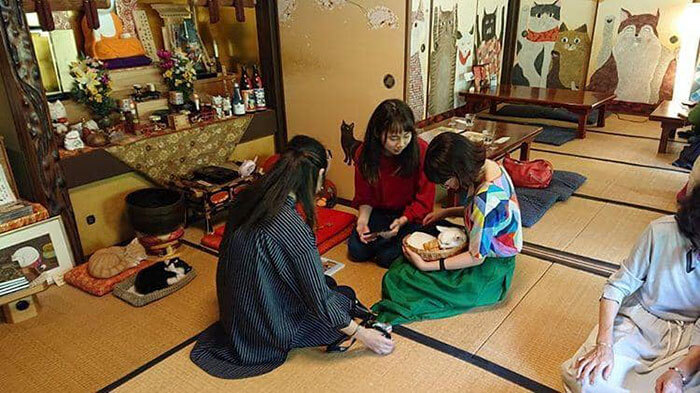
(332,228)
(81,279)
(682,193)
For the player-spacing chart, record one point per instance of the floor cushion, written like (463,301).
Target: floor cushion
(80,278)
(332,228)
(534,203)
(556,136)
(542,112)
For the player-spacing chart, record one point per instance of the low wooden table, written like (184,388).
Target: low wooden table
(667,113)
(521,136)
(580,102)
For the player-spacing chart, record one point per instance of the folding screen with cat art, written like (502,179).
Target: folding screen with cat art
(553,43)
(635,49)
(461,32)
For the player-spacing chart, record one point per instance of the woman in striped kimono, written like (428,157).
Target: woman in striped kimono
(648,334)
(272,293)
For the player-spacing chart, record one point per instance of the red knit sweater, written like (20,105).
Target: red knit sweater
(414,195)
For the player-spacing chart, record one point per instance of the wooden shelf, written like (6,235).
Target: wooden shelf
(11,297)
(95,163)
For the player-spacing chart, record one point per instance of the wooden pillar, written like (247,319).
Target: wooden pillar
(271,65)
(510,41)
(25,94)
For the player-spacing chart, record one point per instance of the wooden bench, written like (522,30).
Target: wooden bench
(580,102)
(668,114)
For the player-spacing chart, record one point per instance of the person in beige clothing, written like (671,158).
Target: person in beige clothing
(648,336)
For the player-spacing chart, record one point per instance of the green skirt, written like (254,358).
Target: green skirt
(410,295)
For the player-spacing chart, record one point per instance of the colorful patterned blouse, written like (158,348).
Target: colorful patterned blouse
(492,220)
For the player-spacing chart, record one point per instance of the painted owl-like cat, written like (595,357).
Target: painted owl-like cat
(536,43)
(640,68)
(573,48)
(442,61)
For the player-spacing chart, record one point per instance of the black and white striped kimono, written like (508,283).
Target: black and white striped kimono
(272,297)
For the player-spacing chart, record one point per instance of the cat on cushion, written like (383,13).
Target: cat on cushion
(161,275)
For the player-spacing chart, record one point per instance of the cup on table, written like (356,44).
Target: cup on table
(489,134)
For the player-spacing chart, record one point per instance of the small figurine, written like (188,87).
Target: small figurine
(72,141)
(247,167)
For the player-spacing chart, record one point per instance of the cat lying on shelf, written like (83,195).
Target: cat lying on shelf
(161,275)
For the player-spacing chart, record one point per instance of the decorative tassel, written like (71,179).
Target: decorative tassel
(43,12)
(213,11)
(240,12)
(93,21)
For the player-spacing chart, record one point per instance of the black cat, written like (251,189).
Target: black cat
(348,142)
(488,27)
(161,275)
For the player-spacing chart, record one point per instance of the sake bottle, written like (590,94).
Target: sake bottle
(238,105)
(247,91)
(259,91)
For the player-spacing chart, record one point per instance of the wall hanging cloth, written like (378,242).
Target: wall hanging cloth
(164,158)
(125,290)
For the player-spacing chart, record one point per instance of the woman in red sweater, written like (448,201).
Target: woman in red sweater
(392,194)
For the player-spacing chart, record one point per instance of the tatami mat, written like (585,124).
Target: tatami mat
(412,367)
(80,342)
(470,330)
(548,326)
(562,223)
(649,187)
(612,233)
(618,148)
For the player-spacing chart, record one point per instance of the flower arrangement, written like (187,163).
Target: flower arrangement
(178,70)
(92,86)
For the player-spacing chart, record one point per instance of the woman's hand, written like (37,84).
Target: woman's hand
(669,382)
(375,340)
(363,231)
(598,361)
(434,216)
(417,261)
(396,226)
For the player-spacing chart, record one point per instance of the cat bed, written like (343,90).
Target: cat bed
(80,278)
(534,203)
(125,290)
(543,112)
(332,228)
(556,136)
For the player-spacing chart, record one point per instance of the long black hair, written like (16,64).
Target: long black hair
(391,116)
(688,217)
(297,171)
(451,154)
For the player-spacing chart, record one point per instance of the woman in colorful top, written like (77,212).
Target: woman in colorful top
(414,289)
(648,334)
(392,193)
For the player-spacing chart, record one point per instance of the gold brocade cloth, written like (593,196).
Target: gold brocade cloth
(165,157)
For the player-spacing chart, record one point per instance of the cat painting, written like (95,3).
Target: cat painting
(415,89)
(536,43)
(348,142)
(488,42)
(442,61)
(640,68)
(463,63)
(572,51)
